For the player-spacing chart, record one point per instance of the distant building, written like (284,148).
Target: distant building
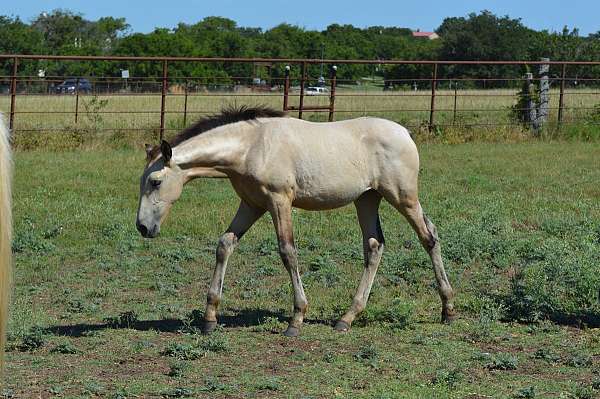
(426,35)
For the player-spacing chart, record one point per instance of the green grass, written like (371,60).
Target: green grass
(100,312)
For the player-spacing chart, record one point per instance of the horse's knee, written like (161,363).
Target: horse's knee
(287,251)
(227,243)
(430,241)
(374,252)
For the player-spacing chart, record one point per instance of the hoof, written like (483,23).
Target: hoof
(341,326)
(448,316)
(208,327)
(292,331)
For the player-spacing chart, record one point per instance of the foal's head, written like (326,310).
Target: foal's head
(160,186)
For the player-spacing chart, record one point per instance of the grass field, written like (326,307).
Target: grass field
(479,112)
(100,312)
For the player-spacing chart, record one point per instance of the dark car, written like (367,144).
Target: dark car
(70,86)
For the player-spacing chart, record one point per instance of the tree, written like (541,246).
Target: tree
(484,37)
(18,38)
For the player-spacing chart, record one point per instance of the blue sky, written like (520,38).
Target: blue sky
(143,16)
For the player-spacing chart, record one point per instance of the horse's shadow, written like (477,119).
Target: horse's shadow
(241,318)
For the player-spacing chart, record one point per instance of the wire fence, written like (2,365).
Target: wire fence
(432,95)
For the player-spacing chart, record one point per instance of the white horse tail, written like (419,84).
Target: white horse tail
(5,233)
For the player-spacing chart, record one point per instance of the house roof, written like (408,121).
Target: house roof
(423,34)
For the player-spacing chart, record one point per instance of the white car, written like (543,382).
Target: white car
(316,91)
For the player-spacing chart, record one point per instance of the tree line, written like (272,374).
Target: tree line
(477,36)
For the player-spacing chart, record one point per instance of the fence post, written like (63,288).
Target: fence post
(76,100)
(332,93)
(433,87)
(561,100)
(13,93)
(185,103)
(531,106)
(286,88)
(163,98)
(455,98)
(302,82)
(543,110)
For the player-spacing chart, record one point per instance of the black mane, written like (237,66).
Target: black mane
(228,115)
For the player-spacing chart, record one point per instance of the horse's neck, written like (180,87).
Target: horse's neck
(221,150)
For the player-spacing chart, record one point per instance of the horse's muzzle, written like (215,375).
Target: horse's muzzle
(145,232)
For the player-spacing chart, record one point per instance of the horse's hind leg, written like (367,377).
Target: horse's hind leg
(245,217)
(367,208)
(427,232)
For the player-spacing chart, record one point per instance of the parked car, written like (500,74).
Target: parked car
(70,86)
(315,91)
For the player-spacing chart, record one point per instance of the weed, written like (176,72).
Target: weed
(579,360)
(546,354)
(212,384)
(214,343)
(93,108)
(139,346)
(450,378)
(329,357)
(28,239)
(503,361)
(583,392)
(34,339)
(269,324)
(65,348)
(398,315)
(525,393)
(178,369)
(268,384)
(179,254)
(182,351)
(267,270)
(322,270)
(124,320)
(178,393)
(367,354)
(93,388)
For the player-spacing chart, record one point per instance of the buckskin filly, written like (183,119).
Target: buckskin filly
(275,163)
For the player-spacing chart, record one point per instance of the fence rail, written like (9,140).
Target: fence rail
(435,98)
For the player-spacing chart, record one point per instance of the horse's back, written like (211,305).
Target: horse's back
(328,165)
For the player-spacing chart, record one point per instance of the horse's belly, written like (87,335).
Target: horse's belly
(320,199)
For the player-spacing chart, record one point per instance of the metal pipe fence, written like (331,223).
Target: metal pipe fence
(434,96)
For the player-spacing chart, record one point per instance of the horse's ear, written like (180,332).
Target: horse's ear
(149,149)
(166,150)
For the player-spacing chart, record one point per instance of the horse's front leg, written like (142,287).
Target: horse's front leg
(243,220)
(281,212)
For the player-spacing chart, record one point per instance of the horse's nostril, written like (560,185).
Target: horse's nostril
(142,229)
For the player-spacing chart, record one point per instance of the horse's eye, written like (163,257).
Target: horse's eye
(155,183)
